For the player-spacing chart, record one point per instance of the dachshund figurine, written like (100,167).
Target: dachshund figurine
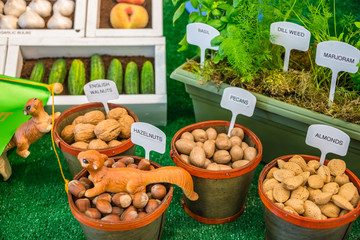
(129,179)
(28,133)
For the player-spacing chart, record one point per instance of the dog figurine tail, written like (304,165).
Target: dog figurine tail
(170,174)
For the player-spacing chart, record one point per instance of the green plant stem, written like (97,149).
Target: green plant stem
(334,19)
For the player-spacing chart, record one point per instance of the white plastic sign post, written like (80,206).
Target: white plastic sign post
(149,137)
(201,34)
(101,91)
(290,36)
(238,101)
(328,139)
(338,56)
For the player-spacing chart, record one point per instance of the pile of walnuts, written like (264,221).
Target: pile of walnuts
(94,131)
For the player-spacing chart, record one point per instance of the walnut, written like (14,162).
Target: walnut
(94,117)
(84,132)
(79,119)
(97,144)
(107,130)
(116,113)
(125,126)
(114,143)
(82,145)
(67,134)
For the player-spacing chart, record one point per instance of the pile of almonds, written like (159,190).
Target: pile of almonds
(212,151)
(311,190)
(93,131)
(119,206)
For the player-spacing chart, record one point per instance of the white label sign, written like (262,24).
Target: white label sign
(201,34)
(338,56)
(101,91)
(328,139)
(149,137)
(238,101)
(290,36)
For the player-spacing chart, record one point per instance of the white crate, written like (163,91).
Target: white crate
(93,21)
(3,51)
(78,29)
(149,108)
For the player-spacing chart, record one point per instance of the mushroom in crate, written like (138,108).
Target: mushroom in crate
(123,196)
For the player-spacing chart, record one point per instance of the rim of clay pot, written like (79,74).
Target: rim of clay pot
(215,174)
(123,225)
(300,220)
(75,151)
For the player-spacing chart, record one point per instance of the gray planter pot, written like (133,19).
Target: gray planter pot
(281,127)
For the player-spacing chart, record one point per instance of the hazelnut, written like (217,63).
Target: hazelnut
(199,135)
(152,205)
(244,145)
(118,164)
(140,200)
(116,210)
(114,143)
(81,145)
(67,134)
(125,126)
(132,165)
(107,130)
(144,164)
(109,162)
(97,144)
(104,196)
(122,199)
(86,182)
(116,113)
(93,213)
(158,191)
(84,132)
(76,188)
(142,214)
(239,163)
(83,204)
(111,218)
(104,206)
(129,214)
(93,117)
(127,160)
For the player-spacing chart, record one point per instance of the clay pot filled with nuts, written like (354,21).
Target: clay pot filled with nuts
(221,166)
(120,215)
(87,126)
(315,202)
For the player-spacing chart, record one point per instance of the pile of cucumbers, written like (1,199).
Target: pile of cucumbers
(129,83)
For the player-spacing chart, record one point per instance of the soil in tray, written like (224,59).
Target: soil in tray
(47,18)
(28,65)
(107,5)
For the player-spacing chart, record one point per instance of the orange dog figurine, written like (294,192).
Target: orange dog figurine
(129,179)
(28,133)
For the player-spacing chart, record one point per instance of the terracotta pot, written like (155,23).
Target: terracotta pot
(281,225)
(70,153)
(222,194)
(147,228)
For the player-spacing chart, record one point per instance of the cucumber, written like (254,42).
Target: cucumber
(147,84)
(76,79)
(58,72)
(97,69)
(38,72)
(131,82)
(115,73)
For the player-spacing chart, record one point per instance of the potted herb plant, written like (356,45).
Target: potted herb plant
(287,102)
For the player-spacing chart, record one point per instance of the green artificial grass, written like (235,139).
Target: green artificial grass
(34,205)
